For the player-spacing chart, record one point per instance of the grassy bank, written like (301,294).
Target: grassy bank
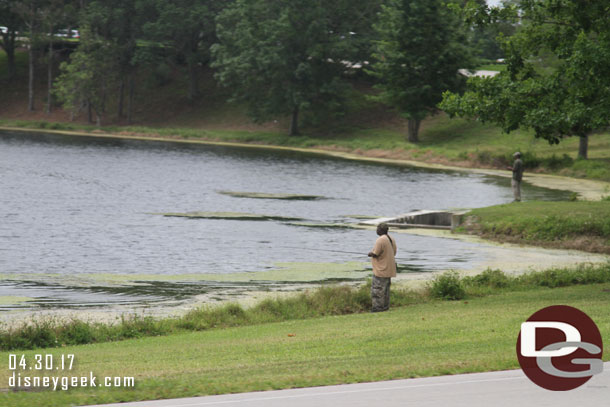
(324,301)
(367,128)
(569,225)
(425,339)
(445,141)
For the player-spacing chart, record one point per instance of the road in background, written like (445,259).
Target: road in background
(507,388)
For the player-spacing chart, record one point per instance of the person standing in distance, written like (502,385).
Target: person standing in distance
(517,170)
(384,268)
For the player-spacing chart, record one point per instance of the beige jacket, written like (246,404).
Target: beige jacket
(384,265)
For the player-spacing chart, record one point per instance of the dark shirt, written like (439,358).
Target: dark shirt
(518,170)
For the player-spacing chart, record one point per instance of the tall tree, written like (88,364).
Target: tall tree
(85,79)
(10,19)
(569,95)
(119,23)
(186,28)
(105,59)
(484,39)
(420,48)
(282,58)
(127,33)
(30,13)
(53,15)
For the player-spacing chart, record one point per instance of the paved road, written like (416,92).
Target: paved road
(496,389)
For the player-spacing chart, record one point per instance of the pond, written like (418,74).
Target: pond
(82,219)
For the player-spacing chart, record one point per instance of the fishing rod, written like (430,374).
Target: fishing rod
(321,250)
(332,251)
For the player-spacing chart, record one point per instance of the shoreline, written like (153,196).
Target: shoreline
(586,189)
(510,258)
(501,256)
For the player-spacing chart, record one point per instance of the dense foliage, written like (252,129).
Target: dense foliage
(418,52)
(297,59)
(558,77)
(285,57)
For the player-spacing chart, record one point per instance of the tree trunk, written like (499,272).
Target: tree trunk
(10,59)
(583,146)
(121,97)
(31,78)
(103,103)
(89,113)
(31,55)
(50,77)
(130,99)
(413,130)
(98,117)
(294,123)
(193,81)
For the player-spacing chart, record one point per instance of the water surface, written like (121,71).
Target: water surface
(75,208)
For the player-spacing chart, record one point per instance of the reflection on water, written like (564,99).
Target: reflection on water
(74,206)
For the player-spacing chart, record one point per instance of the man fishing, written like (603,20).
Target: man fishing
(517,170)
(384,268)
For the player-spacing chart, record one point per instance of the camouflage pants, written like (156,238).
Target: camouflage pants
(380,293)
(516,189)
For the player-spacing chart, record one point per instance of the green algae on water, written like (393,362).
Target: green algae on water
(364,217)
(226,215)
(262,195)
(304,272)
(328,225)
(310,271)
(13,300)
(281,272)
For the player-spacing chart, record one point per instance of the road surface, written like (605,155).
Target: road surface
(498,389)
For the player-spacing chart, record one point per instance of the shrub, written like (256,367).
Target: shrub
(447,286)
(37,334)
(77,333)
(488,278)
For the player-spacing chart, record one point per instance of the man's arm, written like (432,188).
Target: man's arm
(377,249)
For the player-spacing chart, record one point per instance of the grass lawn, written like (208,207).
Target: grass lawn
(577,225)
(435,338)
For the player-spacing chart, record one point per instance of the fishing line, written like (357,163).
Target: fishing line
(332,251)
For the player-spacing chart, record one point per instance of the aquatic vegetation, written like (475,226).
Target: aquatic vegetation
(363,217)
(263,195)
(282,272)
(226,215)
(13,300)
(328,225)
(327,300)
(306,271)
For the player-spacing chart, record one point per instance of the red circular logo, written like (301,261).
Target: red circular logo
(560,348)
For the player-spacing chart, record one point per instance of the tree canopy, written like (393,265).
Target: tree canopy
(558,76)
(285,57)
(419,49)
(185,28)
(10,19)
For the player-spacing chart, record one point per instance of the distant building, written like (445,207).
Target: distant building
(481,73)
